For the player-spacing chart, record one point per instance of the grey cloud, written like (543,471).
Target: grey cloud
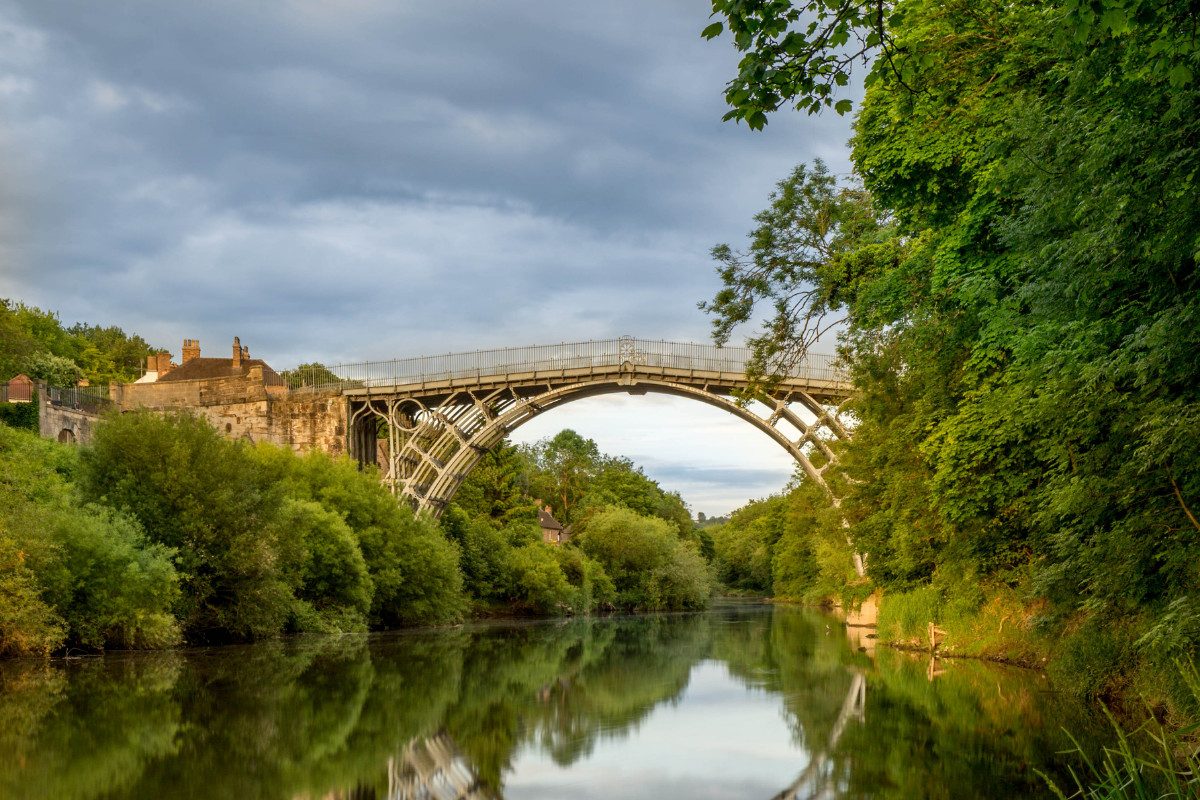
(340,180)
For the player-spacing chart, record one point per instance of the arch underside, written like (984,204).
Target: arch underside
(434,442)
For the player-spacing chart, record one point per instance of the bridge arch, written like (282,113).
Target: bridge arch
(436,436)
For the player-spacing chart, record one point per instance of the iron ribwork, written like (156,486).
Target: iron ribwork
(441,415)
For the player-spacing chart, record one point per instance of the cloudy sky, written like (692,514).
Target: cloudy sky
(344,180)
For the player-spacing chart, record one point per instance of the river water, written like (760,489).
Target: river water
(748,700)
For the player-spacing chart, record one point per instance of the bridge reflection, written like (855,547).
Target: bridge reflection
(434,769)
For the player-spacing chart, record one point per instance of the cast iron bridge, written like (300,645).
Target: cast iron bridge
(439,415)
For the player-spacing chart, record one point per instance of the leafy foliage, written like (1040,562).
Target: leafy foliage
(1017,273)
(505,563)
(20,415)
(35,342)
(73,574)
(650,567)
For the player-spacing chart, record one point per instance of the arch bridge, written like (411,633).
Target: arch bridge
(439,415)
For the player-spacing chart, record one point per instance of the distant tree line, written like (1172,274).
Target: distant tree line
(36,343)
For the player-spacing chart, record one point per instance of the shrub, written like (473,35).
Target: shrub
(326,569)
(23,416)
(484,555)
(92,568)
(648,565)
(413,567)
(110,585)
(204,496)
(592,586)
(538,583)
(28,625)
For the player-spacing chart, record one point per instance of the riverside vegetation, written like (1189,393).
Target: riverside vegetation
(162,531)
(1014,267)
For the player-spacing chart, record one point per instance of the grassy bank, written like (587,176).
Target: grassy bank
(1121,663)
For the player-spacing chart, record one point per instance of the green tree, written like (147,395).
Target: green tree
(412,565)
(648,564)
(84,576)
(1018,278)
(204,496)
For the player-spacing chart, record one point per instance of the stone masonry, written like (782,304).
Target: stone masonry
(251,404)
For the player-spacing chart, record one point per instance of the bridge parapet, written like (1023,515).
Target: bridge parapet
(505,364)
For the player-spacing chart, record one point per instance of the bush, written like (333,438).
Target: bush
(23,416)
(28,625)
(592,586)
(79,575)
(326,569)
(204,496)
(538,583)
(648,565)
(110,585)
(413,567)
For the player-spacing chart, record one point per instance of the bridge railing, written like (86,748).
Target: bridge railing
(543,358)
(92,399)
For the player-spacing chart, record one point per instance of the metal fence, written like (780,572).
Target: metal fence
(545,358)
(92,399)
(16,393)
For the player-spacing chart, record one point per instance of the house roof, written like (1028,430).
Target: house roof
(200,368)
(21,379)
(547,521)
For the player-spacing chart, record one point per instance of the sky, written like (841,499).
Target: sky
(344,180)
(721,739)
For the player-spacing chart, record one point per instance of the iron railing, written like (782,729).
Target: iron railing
(92,399)
(16,393)
(545,358)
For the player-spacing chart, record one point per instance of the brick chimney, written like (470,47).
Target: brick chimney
(191,349)
(237,352)
(164,364)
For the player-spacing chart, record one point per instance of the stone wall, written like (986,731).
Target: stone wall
(67,425)
(243,407)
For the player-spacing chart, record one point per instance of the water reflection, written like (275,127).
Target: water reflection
(651,706)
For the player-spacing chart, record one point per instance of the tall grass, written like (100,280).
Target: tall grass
(1166,766)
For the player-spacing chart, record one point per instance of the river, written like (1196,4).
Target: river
(748,700)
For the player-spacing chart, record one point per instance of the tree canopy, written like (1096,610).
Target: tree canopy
(1015,264)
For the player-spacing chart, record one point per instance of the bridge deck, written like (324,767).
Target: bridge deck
(534,382)
(529,369)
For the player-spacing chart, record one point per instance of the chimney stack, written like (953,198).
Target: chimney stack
(164,364)
(237,353)
(191,349)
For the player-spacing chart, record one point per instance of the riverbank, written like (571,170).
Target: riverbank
(1081,657)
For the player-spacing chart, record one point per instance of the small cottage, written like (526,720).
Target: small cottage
(552,530)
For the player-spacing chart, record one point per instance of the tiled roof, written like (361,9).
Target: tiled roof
(200,368)
(547,521)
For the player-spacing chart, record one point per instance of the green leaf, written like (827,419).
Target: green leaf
(1179,76)
(842,107)
(713,31)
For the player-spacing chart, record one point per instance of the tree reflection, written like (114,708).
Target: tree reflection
(446,713)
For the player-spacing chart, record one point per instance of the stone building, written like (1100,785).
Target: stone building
(242,397)
(552,530)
